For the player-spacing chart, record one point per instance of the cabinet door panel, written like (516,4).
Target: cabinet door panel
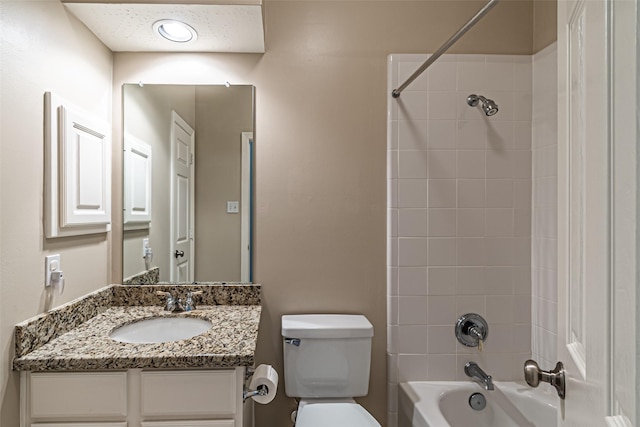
(192,394)
(80,425)
(75,395)
(210,423)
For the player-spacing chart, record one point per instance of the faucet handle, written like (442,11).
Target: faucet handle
(189,305)
(171,301)
(472,330)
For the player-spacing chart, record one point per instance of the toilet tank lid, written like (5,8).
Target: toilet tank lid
(326,326)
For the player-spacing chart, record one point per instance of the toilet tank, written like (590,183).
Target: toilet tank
(326,355)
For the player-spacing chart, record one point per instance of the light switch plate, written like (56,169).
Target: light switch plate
(233,207)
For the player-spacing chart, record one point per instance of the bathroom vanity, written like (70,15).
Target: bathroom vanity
(73,374)
(148,398)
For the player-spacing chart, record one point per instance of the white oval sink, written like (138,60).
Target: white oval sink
(161,329)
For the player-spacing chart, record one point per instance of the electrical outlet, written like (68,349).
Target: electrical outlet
(51,265)
(145,246)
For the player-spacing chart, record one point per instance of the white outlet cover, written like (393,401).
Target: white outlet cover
(145,245)
(51,264)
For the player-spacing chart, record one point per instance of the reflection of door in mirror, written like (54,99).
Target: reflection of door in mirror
(222,121)
(182,177)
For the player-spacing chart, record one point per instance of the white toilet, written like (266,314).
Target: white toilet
(326,364)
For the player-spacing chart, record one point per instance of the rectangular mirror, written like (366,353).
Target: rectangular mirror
(188,160)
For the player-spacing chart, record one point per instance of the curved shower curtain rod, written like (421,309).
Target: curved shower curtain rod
(454,38)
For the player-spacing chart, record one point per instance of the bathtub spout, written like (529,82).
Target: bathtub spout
(474,371)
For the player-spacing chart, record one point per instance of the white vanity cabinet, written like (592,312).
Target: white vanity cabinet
(135,398)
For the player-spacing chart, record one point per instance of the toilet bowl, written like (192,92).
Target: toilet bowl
(327,358)
(333,413)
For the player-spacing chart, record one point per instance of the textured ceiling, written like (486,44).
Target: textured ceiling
(128,27)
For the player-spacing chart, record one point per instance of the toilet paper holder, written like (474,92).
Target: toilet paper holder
(263,385)
(262,390)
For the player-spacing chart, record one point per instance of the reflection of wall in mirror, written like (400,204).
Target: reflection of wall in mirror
(148,117)
(222,114)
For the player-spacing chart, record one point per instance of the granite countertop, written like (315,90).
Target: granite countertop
(87,346)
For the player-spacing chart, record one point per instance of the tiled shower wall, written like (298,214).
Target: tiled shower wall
(459,217)
(544,215)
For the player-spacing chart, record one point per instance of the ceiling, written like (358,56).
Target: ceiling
(126,27)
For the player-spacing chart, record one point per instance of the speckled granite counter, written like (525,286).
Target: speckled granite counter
(80,339)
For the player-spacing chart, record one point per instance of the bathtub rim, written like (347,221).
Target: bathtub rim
(408,397)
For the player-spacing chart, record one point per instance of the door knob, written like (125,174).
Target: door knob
(178,254)
(533,375)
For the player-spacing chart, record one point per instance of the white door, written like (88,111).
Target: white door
(591,213)
(182,192)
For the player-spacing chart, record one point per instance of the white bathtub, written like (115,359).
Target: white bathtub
(446,403)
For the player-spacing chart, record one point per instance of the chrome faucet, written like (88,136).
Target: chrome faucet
(173,304)
(189,305)
(474,371)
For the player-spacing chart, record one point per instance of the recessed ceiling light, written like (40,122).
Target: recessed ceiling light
(175,31)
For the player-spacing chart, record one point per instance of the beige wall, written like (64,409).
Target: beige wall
(43,49)
(222,114)
(320,149)
(148,117)
(545,29)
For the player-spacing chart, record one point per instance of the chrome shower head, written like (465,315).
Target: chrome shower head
(488,105)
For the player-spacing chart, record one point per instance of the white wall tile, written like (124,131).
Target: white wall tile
(441,340)
(412,223)
(470,304)
(442,251)
(412,367)
(499,222)
(412,105)
(442,105)
(471,164)
(411,310)
(412,339)
(471,281)
(442,164)
(499,280)
(471,193)
(500,73)
(440,310)
(523,73)
(412,193)
(405,70)
(442,75)
(471,135)
(442,222)
(442,280)
(472,74)
(412,164)
(463,197)
(471,251)
(442,193)
(412,134)
(441,367)
(499,193)
(442,134)
(412,251)
(412,281)
(500,135)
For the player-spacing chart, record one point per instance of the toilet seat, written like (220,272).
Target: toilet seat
(333,413)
